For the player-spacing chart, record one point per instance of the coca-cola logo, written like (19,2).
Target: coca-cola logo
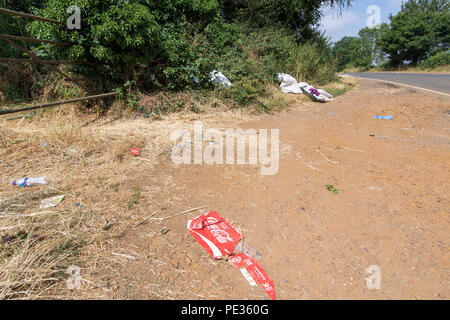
(220,234)
(267,286)
(236,260)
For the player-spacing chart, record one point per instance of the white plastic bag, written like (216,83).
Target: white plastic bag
(219,79)
(318,95)
(288,84)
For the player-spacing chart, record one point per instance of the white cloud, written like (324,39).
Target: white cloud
(354,18)
(332,22)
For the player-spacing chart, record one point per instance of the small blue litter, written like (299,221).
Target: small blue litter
(384,117)
(196,80)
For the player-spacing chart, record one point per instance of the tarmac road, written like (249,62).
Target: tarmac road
(437,83)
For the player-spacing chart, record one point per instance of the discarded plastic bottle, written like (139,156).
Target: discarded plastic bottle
(384,117)
(28,182)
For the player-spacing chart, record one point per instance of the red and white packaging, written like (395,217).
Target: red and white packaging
(215,234)
(257,273)
(134,151)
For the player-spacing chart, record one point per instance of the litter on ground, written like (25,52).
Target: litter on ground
(80,205)
(245,248)
(134,151)
(51,202)
(219,79)
(256,272)
(215,234)
(388,117)
(196,80)
(220,239)
(28,182)
(290,85)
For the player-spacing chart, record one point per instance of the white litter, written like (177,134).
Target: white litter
(248,277)
(290,85)
(219,79)
(51,202)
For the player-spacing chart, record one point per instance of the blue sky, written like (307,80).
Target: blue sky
(355,18)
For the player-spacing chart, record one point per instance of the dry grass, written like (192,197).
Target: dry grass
(37,250)
(342,86)
(38,245)
(87,158)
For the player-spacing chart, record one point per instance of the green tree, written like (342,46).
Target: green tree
(371,46)
(419,30)
(363,51)
(298,15)
(117,37)
(345,51)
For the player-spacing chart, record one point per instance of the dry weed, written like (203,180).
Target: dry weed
(87,159)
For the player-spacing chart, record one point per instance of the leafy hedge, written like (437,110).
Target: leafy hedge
(438,60)
(167,43)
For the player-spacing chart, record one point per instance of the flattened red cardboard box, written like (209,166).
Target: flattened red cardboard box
(258,274)
(220,239)
(215,234)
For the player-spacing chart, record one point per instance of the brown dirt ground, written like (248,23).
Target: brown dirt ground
(392,209)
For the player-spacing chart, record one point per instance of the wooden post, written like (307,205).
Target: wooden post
(53,104)
(13,60)
(28,16)
(7,36)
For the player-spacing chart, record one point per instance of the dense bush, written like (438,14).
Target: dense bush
(17,82)
(265,54)
(438,60)
(116,36)
(166,44)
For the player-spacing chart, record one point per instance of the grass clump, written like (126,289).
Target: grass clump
(135,198)
(332,189)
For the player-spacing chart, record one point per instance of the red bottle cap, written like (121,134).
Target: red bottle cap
(134,151)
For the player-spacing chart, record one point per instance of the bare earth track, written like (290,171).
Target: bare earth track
(392,209)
